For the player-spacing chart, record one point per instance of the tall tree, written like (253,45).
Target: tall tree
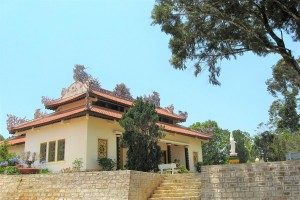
(141,136)
(216,151)
(284,112)
(208,31)
(266,147)
(123,91)
(243,145)
(284,80)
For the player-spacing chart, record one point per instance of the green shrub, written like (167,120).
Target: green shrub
(198,166)
(11,170)
(106,164)
(2,169)
(77,164)
(183,169)
(44,171)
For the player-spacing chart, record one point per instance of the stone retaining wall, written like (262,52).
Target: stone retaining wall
(272,180)
(82,185)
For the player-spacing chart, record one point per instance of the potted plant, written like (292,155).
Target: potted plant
(29,159)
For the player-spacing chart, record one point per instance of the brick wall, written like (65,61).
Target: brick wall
(272,180)
(83,185)
(143,184)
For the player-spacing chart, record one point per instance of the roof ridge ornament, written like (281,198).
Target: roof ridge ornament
(75,88)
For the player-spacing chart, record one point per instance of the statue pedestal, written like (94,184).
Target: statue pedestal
(234,159)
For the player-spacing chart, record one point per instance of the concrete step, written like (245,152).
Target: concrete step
(179,187)
(176,198)
(182,194)
(174,191)
(179,184)
(181,176)
(182,180)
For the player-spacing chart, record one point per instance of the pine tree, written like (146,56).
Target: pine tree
(141,136)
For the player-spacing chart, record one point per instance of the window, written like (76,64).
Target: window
(51,151)
(43,151)
(166,120)
(102,148)
(110,106)
(195,157)
(60,150)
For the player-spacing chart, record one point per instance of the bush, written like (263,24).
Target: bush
(11,170)
(44,171)
(198,166)
(77,164)
(2,169)
(106,164)
(183,169)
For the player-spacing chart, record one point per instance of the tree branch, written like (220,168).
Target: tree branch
(284,8)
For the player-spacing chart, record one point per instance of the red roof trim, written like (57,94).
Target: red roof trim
(16,140)
(50,119)
(183,130)
(56,103)
(103,113)
(164,112)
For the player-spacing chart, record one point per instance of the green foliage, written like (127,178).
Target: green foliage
(216,151)
(267,147)
(2,169)
(284,80)
(141,136)
(289,142)
(289,118)
(284,112)
(77,164)
(198,166)
(44,171)
(11,170)
(206,31)
(4,154)
(2,138)
(243,145)
(183,169)
(106,164)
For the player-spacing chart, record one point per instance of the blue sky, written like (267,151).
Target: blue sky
(41,41)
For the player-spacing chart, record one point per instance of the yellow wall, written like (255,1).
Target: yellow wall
(74,132)
(17,149)
(72,105)
(194,145)
(101,129)
(81,141)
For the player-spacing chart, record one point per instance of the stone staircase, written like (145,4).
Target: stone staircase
(178,186)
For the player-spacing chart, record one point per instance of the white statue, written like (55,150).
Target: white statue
(232,144)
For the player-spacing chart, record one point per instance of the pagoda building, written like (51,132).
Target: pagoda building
(84,124)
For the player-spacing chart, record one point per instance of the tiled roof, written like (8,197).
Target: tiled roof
(112,98)
(99,112)
(164,112)
(175,128)
(58,102)
(54,104)
(49,119)
(15,140)
(107,112)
